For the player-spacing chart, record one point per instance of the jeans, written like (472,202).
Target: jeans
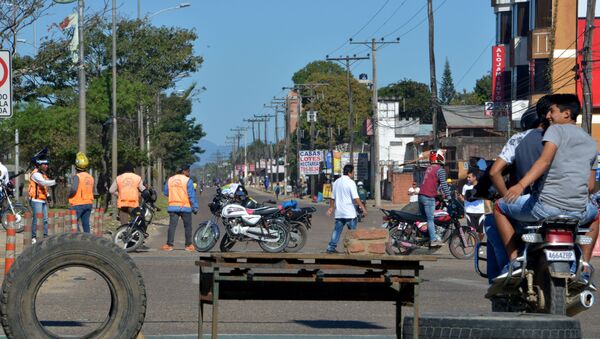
(187,226)
(497,257)
(38,207)
(83,213)
(337,231)
(427,206)
(528,208)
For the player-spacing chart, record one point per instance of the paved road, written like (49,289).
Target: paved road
(72,300)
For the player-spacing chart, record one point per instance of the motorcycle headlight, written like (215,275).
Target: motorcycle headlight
(148,216)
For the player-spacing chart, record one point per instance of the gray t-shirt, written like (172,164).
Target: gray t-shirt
(566,184)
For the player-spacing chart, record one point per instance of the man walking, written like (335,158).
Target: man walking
(127,187)
(81,197)
(343,197)
(38,195)
(182,203)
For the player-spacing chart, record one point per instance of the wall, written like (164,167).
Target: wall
(401,182)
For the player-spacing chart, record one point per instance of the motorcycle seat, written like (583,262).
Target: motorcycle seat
(409,216)
(308,209)
(561,221)
(265,210)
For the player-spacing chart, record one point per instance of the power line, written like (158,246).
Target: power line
(407,22)
(373,17)
(389,18)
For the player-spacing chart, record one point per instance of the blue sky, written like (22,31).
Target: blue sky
(252,48)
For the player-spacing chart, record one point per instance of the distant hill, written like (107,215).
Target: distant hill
(210,148)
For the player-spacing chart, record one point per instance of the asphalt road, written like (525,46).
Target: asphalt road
(73,301)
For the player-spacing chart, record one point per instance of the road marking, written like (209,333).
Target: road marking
(465,282)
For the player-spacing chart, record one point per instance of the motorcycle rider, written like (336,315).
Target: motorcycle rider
(3,174)
(569,158)
(81,197)
(127,187)
(182,203)
(38,194)
(434,179)
(362,192)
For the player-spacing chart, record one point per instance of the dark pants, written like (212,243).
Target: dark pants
(83,213)
(187,226)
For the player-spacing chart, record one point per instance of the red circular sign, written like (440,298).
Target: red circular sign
(4,75)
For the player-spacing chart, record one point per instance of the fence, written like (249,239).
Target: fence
(58,222)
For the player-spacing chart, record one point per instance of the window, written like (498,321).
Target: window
(541,80)
(522,17)
(543,13)
(504,27)
(522,83)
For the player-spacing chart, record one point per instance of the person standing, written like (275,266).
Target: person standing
(343,197)
(413,193)
(127,187)
(277,191)
(435,177)
(182,203)
(38,195)
(81,196)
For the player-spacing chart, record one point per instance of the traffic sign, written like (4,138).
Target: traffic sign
(5,84)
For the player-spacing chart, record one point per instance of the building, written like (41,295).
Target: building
(538,51)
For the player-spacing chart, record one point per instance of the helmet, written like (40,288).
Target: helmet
(360,183)
(437,157)
(81,161)
(449,180)
(149,195)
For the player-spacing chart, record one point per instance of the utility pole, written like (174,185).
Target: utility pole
(82,115)
(253,135)
(586,121)
(278,105)
(265,118)
(114,154)
(433,79)
(376,171)
(238,135)
(347,61)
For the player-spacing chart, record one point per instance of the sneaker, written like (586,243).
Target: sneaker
(33,241)
(334,251)
(190,248)
(436,243)
(166,248)
(517,268)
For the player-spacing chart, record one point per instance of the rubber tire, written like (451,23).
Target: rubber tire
(395,235)
(286,235)
(40,261)
(302,232)
(455,244)
(226,243)
(19,209)
(554,295)
(499,325)
(130,248)
(195,239)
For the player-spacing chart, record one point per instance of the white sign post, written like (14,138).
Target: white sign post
(5,84)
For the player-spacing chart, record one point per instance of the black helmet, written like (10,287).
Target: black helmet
(149,195)
(530,119)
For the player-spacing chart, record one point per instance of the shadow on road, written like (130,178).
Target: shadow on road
(339,324)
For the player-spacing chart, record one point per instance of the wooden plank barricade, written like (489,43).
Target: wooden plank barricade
(11,243)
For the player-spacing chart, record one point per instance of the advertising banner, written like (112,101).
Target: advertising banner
(310,162)
(337,161)
(498,69)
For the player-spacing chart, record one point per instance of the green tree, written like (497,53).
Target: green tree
(416,95)
(483,88)
(309,71)
(447,91)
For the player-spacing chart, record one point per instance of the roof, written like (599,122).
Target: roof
(467,116)
(425,130)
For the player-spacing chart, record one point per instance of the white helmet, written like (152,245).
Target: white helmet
(360,183)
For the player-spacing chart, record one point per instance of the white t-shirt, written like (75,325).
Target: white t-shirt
(476,206)
(508,151)
(344,192)
(414,194)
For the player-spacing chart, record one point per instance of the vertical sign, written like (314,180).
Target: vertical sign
(5,85)
(498,68)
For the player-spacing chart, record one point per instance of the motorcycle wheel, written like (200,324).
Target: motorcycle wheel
(20,210)
(459,249)
(554,293)
(128,242)
(284,238)
(204,238)
(226,243)
(298,234)
(397,239)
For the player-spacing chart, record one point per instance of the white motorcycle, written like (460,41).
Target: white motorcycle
(261,224)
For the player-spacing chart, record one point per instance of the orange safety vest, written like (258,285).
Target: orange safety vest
(128,185)
(178,194)
(37,191)
(85,190)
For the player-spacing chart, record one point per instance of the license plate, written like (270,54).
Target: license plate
(560,255)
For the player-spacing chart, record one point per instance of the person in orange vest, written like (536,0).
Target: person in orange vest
(38,195)
(182,203)
(81,196)
(127,187)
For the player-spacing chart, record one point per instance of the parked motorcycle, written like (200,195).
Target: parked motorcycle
(300,221)
(408,231)
(132,235)
(550,281)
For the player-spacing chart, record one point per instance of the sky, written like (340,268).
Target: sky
(251,48)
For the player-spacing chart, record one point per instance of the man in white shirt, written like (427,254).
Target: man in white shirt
(413,192)
(344,196)
(38,195)
(475,209)
(3,174)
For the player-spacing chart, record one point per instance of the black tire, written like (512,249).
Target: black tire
(136,239)
(554,295)
(20,211)
(460,250)
(204,239)
(37,263)
(226,243)
(500,325)
(284,238)
(298,235)
(397,237)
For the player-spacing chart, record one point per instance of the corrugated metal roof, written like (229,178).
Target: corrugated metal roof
(466,116)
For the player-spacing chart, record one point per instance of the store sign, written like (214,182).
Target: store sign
(310,162)
(498,69)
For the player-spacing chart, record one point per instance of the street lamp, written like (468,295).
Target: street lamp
(181,5)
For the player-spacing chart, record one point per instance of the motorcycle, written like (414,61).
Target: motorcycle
(132,235)
(9,207)
(408,230)
(300,221)
(550,281)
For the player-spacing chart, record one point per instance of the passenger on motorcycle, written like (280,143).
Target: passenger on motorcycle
(474,209)
(568,161)
(434,179)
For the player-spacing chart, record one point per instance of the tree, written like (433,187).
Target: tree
(447,91)
(16,15)
(309,71)
(416,95)
(483,88)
